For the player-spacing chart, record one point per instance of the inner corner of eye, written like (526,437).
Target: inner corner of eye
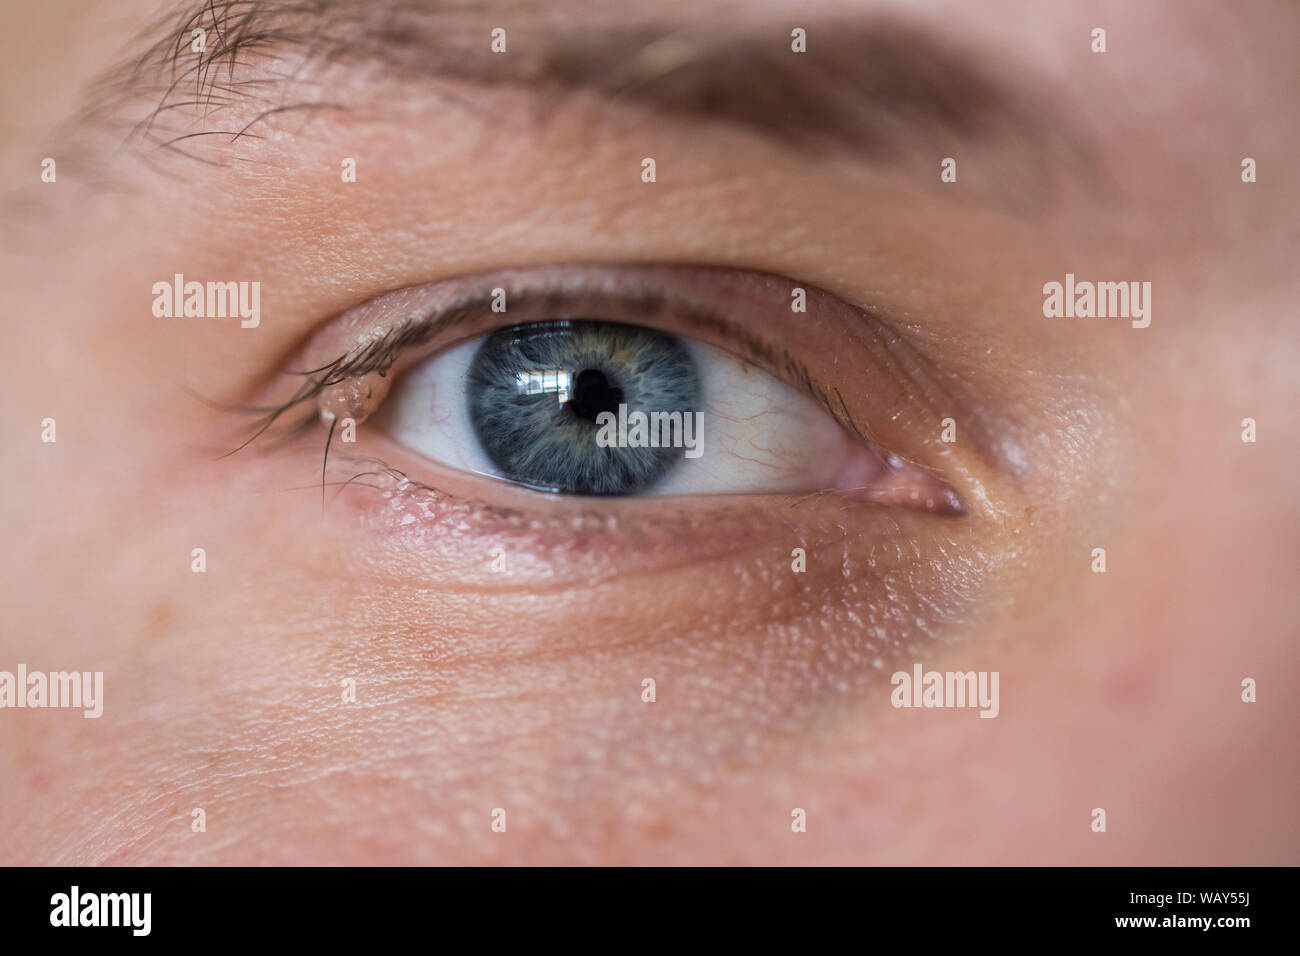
(354,399)
(603,408)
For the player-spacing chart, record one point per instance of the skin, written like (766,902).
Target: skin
(477,691)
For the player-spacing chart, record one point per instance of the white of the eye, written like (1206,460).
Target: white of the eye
(427,411)
(759,435)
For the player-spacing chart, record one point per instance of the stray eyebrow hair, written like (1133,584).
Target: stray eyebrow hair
(877,89)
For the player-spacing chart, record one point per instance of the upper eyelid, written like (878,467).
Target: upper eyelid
(636,299)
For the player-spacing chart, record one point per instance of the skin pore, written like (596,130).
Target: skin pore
(477,689)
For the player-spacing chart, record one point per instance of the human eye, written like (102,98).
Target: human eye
(594,407)
(612,382)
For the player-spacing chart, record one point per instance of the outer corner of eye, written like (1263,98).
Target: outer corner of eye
(606,408)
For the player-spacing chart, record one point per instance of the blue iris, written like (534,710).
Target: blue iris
(535,391)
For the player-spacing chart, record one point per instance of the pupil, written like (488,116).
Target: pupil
(593,394)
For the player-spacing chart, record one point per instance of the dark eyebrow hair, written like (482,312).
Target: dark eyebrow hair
(879,90)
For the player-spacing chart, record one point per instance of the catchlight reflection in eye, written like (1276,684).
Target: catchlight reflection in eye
(552,382)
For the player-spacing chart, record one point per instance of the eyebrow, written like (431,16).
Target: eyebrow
(878,89)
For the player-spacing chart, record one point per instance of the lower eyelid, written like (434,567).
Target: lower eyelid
(596,542)
(457,520)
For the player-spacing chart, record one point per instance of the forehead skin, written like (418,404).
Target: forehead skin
(1119,691)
